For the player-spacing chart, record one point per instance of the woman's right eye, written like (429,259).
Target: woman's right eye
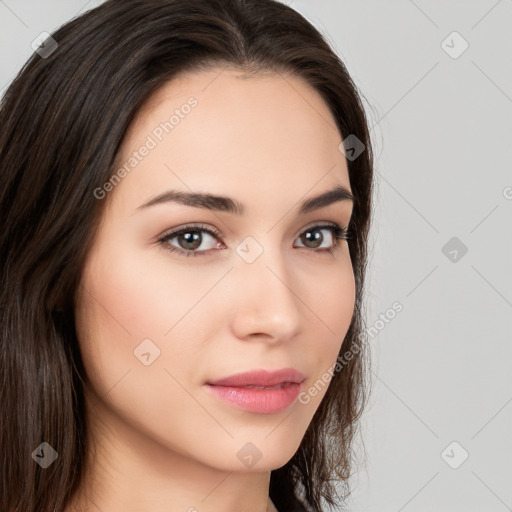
(189,240)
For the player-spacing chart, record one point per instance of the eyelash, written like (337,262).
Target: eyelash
(339,234)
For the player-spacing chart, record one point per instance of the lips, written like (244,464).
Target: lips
(261,379)
(259,391)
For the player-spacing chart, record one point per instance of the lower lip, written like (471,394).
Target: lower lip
(262,401)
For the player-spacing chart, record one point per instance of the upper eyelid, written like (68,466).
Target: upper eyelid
(174,232)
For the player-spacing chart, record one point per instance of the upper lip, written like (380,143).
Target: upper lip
(261,377)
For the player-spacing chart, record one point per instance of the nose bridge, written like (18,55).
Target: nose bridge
(266,301)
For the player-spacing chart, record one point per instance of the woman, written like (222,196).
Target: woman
(137,377)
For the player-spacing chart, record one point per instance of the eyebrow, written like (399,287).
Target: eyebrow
(226,204)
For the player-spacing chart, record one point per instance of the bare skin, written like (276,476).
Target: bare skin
(161,442)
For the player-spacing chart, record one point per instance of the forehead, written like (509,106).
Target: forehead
(219,132)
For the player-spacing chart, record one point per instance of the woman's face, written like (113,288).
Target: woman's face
(262,291)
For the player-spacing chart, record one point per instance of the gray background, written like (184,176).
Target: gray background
(441,128)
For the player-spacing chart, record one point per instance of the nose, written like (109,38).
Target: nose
(266,303)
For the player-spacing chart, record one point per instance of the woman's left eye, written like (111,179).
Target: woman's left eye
(190,238)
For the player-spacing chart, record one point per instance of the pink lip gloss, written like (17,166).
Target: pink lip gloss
(268,400)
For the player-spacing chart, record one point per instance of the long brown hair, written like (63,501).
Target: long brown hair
(63,119)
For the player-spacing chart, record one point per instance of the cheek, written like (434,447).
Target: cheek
(135,294)
(331,299)
(131,296)
(127,303)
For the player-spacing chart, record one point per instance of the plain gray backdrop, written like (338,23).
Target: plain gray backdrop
(437,84)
